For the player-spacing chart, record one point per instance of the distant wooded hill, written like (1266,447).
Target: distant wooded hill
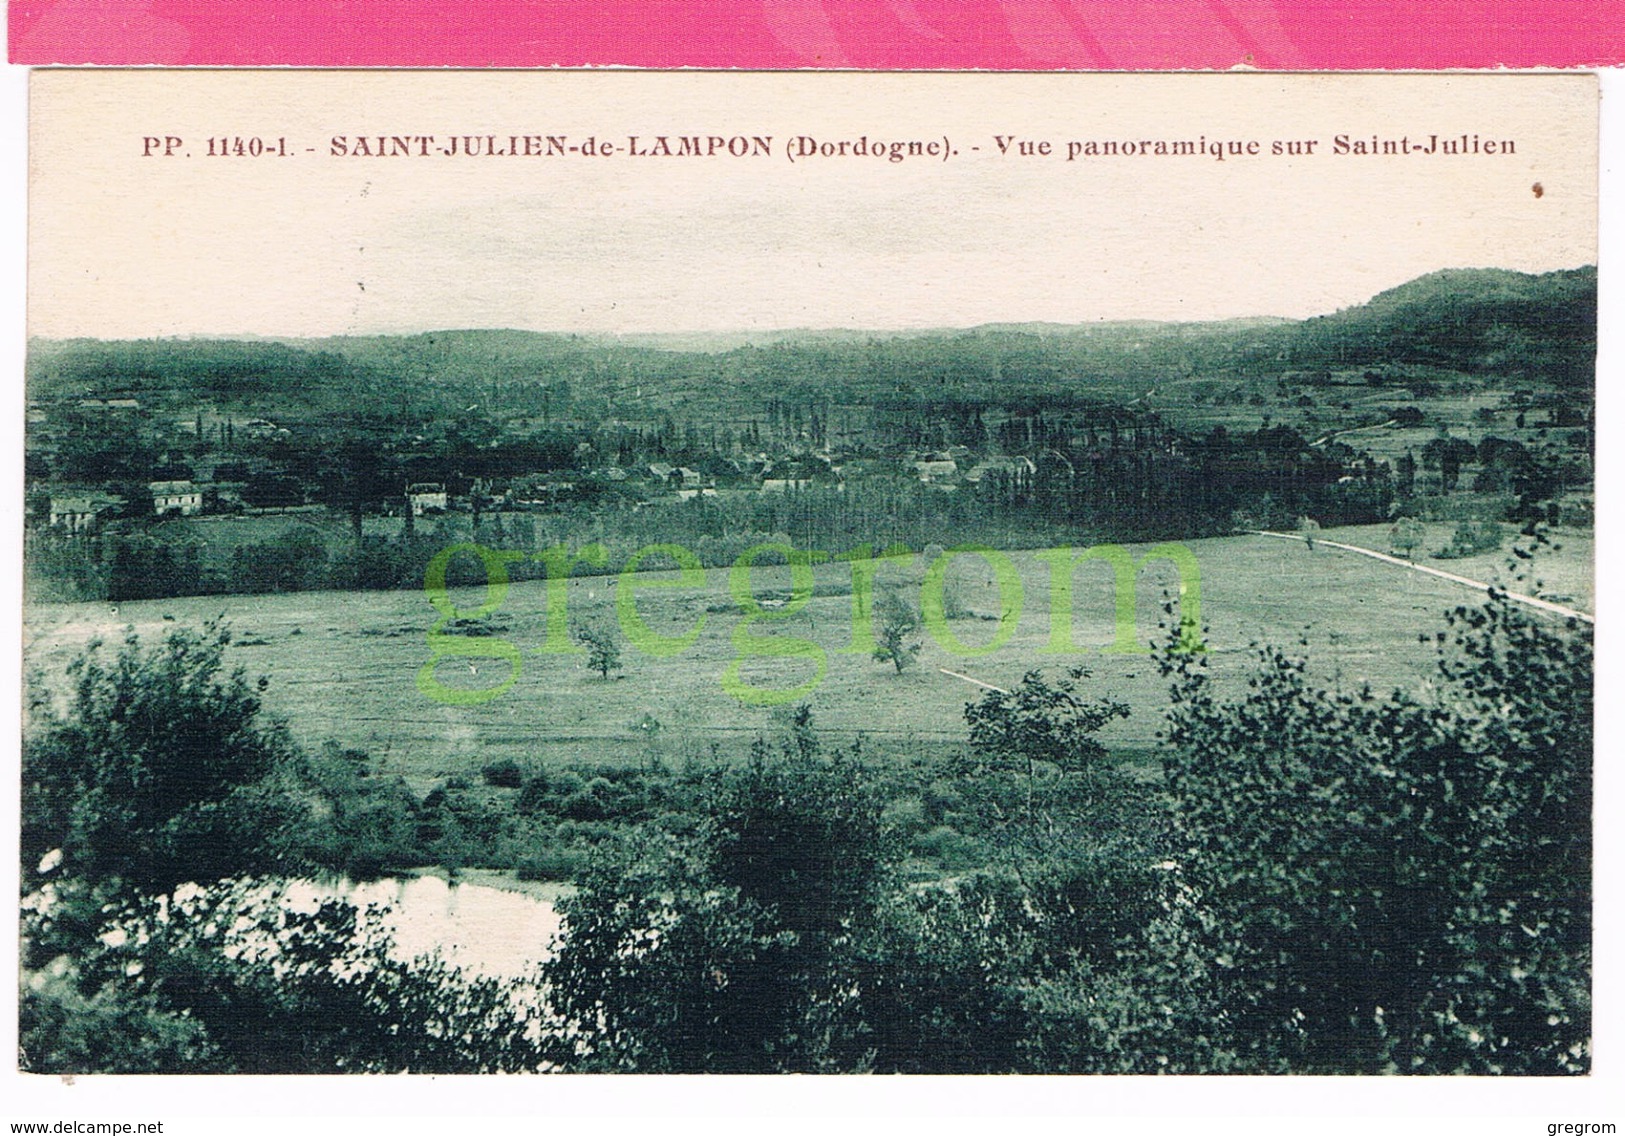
(1472,320)
(1539,328)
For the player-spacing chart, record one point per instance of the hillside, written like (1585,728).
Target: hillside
(1471,320)
(1540,329)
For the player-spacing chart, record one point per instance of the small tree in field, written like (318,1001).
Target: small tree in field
(603,653)
(895,622)
(1309,529)
(1406,535)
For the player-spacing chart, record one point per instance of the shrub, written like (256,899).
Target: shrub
(1396,885)
(1472,538)
(549,864)
(949,847)
(596,800)
(159,770)
(939,799)
(905,815)
(566,782)
(503,774)
(535,794)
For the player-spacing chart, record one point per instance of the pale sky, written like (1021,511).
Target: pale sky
(127,246)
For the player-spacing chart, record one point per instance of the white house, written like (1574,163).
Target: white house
(933,471)
(426,497)
(1011,467)
(176,497)
(77,514)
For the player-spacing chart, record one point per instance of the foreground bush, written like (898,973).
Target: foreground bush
(1397,883)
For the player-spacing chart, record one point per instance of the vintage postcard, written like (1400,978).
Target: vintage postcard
(822,573)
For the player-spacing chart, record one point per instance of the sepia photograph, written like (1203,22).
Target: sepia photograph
(765,573)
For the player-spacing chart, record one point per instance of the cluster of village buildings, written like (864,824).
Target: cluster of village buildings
(77,509)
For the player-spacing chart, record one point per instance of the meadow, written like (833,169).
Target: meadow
(344,666)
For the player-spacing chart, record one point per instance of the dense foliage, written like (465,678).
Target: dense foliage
(1396,883)
(157,770)
(1327,883)
(1315,881)
(155,803)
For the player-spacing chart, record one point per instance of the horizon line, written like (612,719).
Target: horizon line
(798,329)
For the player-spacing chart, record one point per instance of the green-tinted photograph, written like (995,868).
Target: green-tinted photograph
(739,573)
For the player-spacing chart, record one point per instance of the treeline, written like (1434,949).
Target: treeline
(1317,882)
(219,367)
(1091,485)
(1475,322)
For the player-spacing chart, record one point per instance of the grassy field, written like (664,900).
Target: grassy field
(343,665)
(1565,576)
